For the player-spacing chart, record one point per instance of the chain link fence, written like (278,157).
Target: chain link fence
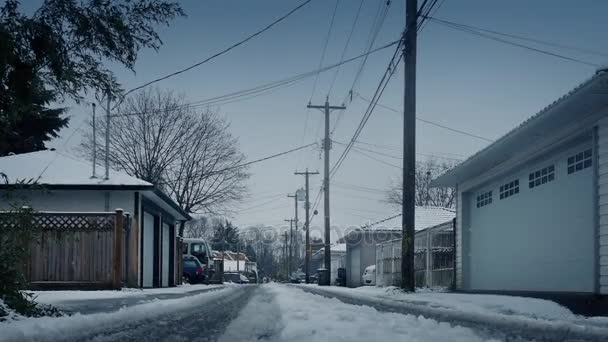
(433,260)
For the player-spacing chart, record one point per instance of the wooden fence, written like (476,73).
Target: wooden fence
(77,250)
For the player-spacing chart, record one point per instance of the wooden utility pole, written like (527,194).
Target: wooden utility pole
(290,260)
(297,237)
(326,147)
(285,258)
(409,147)
(307,223)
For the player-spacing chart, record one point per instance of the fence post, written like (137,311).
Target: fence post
(117,260)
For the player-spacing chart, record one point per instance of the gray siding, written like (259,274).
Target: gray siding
(602,174)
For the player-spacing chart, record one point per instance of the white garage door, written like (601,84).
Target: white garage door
(165,253)
(537,239)
(148,250)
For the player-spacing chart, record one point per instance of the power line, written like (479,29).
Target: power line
(331,25)
(357,187)
(261,204)
(350,35)
(427,121)
(433,155)
(521,37)
(269,26)
(377,94)
(479,33)
(212,173)
(288,81)
(376,159)
(263,159)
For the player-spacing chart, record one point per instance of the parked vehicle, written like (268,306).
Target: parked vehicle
(297,277)
(369,275)
(193,270)
(201,250)
(236,278)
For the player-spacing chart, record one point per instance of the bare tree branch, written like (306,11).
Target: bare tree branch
(185,153)
(425,195)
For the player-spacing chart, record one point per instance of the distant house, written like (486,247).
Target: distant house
(361,243)
(532,207)
(67,185)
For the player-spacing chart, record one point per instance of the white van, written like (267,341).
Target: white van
(200,249)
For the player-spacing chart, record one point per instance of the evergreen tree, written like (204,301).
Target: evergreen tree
(225,236)
(57,52)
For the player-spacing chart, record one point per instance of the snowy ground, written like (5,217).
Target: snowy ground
(81,327)
(475,303)
(54,297)
(281,313)
(275,312)
(522,316)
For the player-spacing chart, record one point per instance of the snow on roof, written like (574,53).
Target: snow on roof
(425,217)
(56,168)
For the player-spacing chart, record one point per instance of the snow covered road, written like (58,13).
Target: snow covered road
(285,313)
(270,312)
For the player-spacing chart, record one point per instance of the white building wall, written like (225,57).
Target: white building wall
(148,250)
(541,239)
(602,192)
(459,213)
(166,237)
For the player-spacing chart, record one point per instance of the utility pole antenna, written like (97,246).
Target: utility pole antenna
(307,224)
(94,142)
(409,147)
(107,161)
(326,147)
(290,260)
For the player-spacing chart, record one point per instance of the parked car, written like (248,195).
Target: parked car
(236,278)
(193,270)
(369,275)
(200,249)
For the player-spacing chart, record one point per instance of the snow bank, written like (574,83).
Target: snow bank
(55,297)
(70,327)
(294,315)
(477,303)
(517,314)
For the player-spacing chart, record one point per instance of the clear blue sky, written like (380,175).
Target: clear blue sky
(464,81)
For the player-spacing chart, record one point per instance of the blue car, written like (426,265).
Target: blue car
(193,270)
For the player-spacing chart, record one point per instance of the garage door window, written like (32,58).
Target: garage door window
(509,189)
(580,161)
(542,176)
(484,199)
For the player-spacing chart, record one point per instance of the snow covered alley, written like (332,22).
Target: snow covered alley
(285,313)
(276,312)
